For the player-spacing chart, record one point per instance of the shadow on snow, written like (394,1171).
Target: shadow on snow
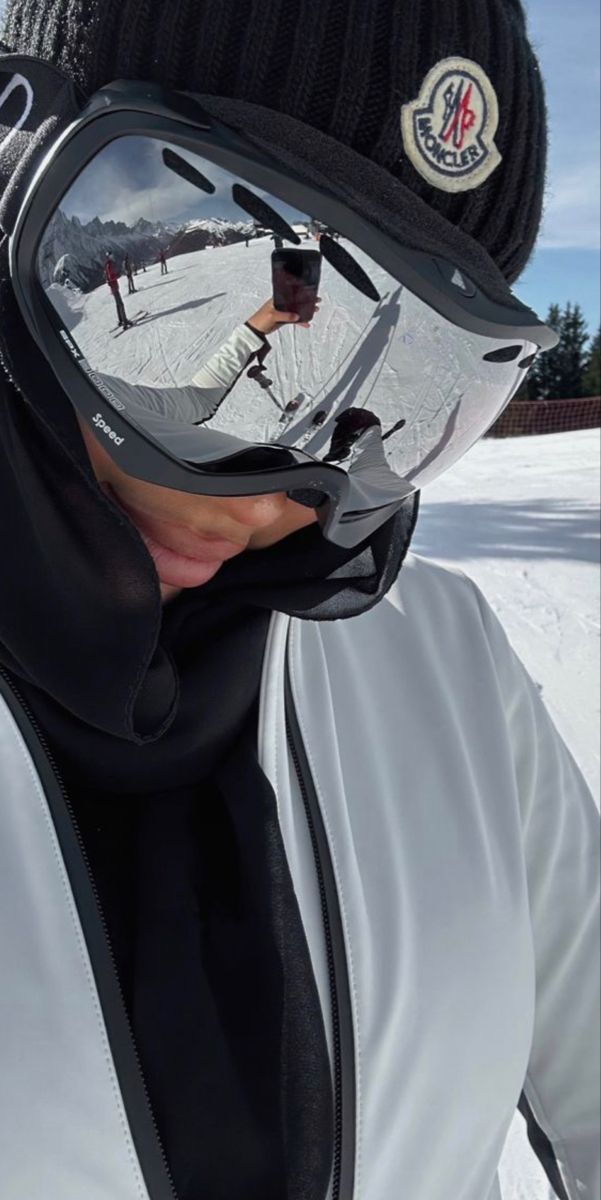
(551,529)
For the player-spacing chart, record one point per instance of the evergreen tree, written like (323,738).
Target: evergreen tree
(559,374)
(592,372)
(545,376)
(572,353)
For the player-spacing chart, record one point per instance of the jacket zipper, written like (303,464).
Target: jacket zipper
(63,791)
(342,1016)
(343,1177)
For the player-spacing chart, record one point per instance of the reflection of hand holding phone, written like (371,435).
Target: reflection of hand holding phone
(296,278)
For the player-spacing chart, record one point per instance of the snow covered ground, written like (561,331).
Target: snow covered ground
(521,517)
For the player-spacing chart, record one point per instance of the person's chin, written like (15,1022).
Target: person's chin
(177,571)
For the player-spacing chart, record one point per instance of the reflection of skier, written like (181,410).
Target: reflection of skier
(315,229)
(112,278)
(128,268)
(163,262)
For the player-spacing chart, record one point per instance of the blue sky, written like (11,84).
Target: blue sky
(567,263)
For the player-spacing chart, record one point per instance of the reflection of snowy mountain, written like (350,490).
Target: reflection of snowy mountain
(77,251)
(69,303)
(66,269)
(197,235)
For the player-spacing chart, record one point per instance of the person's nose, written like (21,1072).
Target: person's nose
(256,512)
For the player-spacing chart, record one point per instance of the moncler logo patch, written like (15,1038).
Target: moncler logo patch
(16,84)
(449,130)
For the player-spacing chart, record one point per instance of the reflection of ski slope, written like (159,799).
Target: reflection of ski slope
(394,357)
(195,308)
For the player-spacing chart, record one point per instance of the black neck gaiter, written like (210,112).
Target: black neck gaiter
(150,695)
(203,676)
(151,714)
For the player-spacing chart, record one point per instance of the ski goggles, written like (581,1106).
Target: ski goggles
(226,327)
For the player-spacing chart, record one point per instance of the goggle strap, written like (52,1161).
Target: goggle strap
(37,103)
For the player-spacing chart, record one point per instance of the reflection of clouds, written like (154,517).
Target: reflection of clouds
(170,200)
(102,191)
(116,188)
(572,209)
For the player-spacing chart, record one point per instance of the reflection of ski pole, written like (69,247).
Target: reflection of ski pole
(275,400)
(395,429)
(258,373)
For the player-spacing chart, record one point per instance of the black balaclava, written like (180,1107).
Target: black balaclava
(151,717)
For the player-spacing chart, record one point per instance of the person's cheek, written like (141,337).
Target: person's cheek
(293,518)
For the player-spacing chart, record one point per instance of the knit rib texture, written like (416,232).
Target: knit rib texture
(344,67)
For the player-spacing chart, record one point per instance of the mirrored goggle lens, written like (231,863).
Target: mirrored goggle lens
(165,269)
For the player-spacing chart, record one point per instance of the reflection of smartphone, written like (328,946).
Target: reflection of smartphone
(296,276)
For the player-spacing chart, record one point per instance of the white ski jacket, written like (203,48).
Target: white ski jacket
(444,851)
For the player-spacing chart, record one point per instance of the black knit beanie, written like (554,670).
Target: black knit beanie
(349,68)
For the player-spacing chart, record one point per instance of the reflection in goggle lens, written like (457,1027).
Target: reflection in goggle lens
(179,283)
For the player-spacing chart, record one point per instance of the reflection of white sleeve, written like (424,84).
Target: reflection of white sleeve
(226,364)
(561,848)
(199,400)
